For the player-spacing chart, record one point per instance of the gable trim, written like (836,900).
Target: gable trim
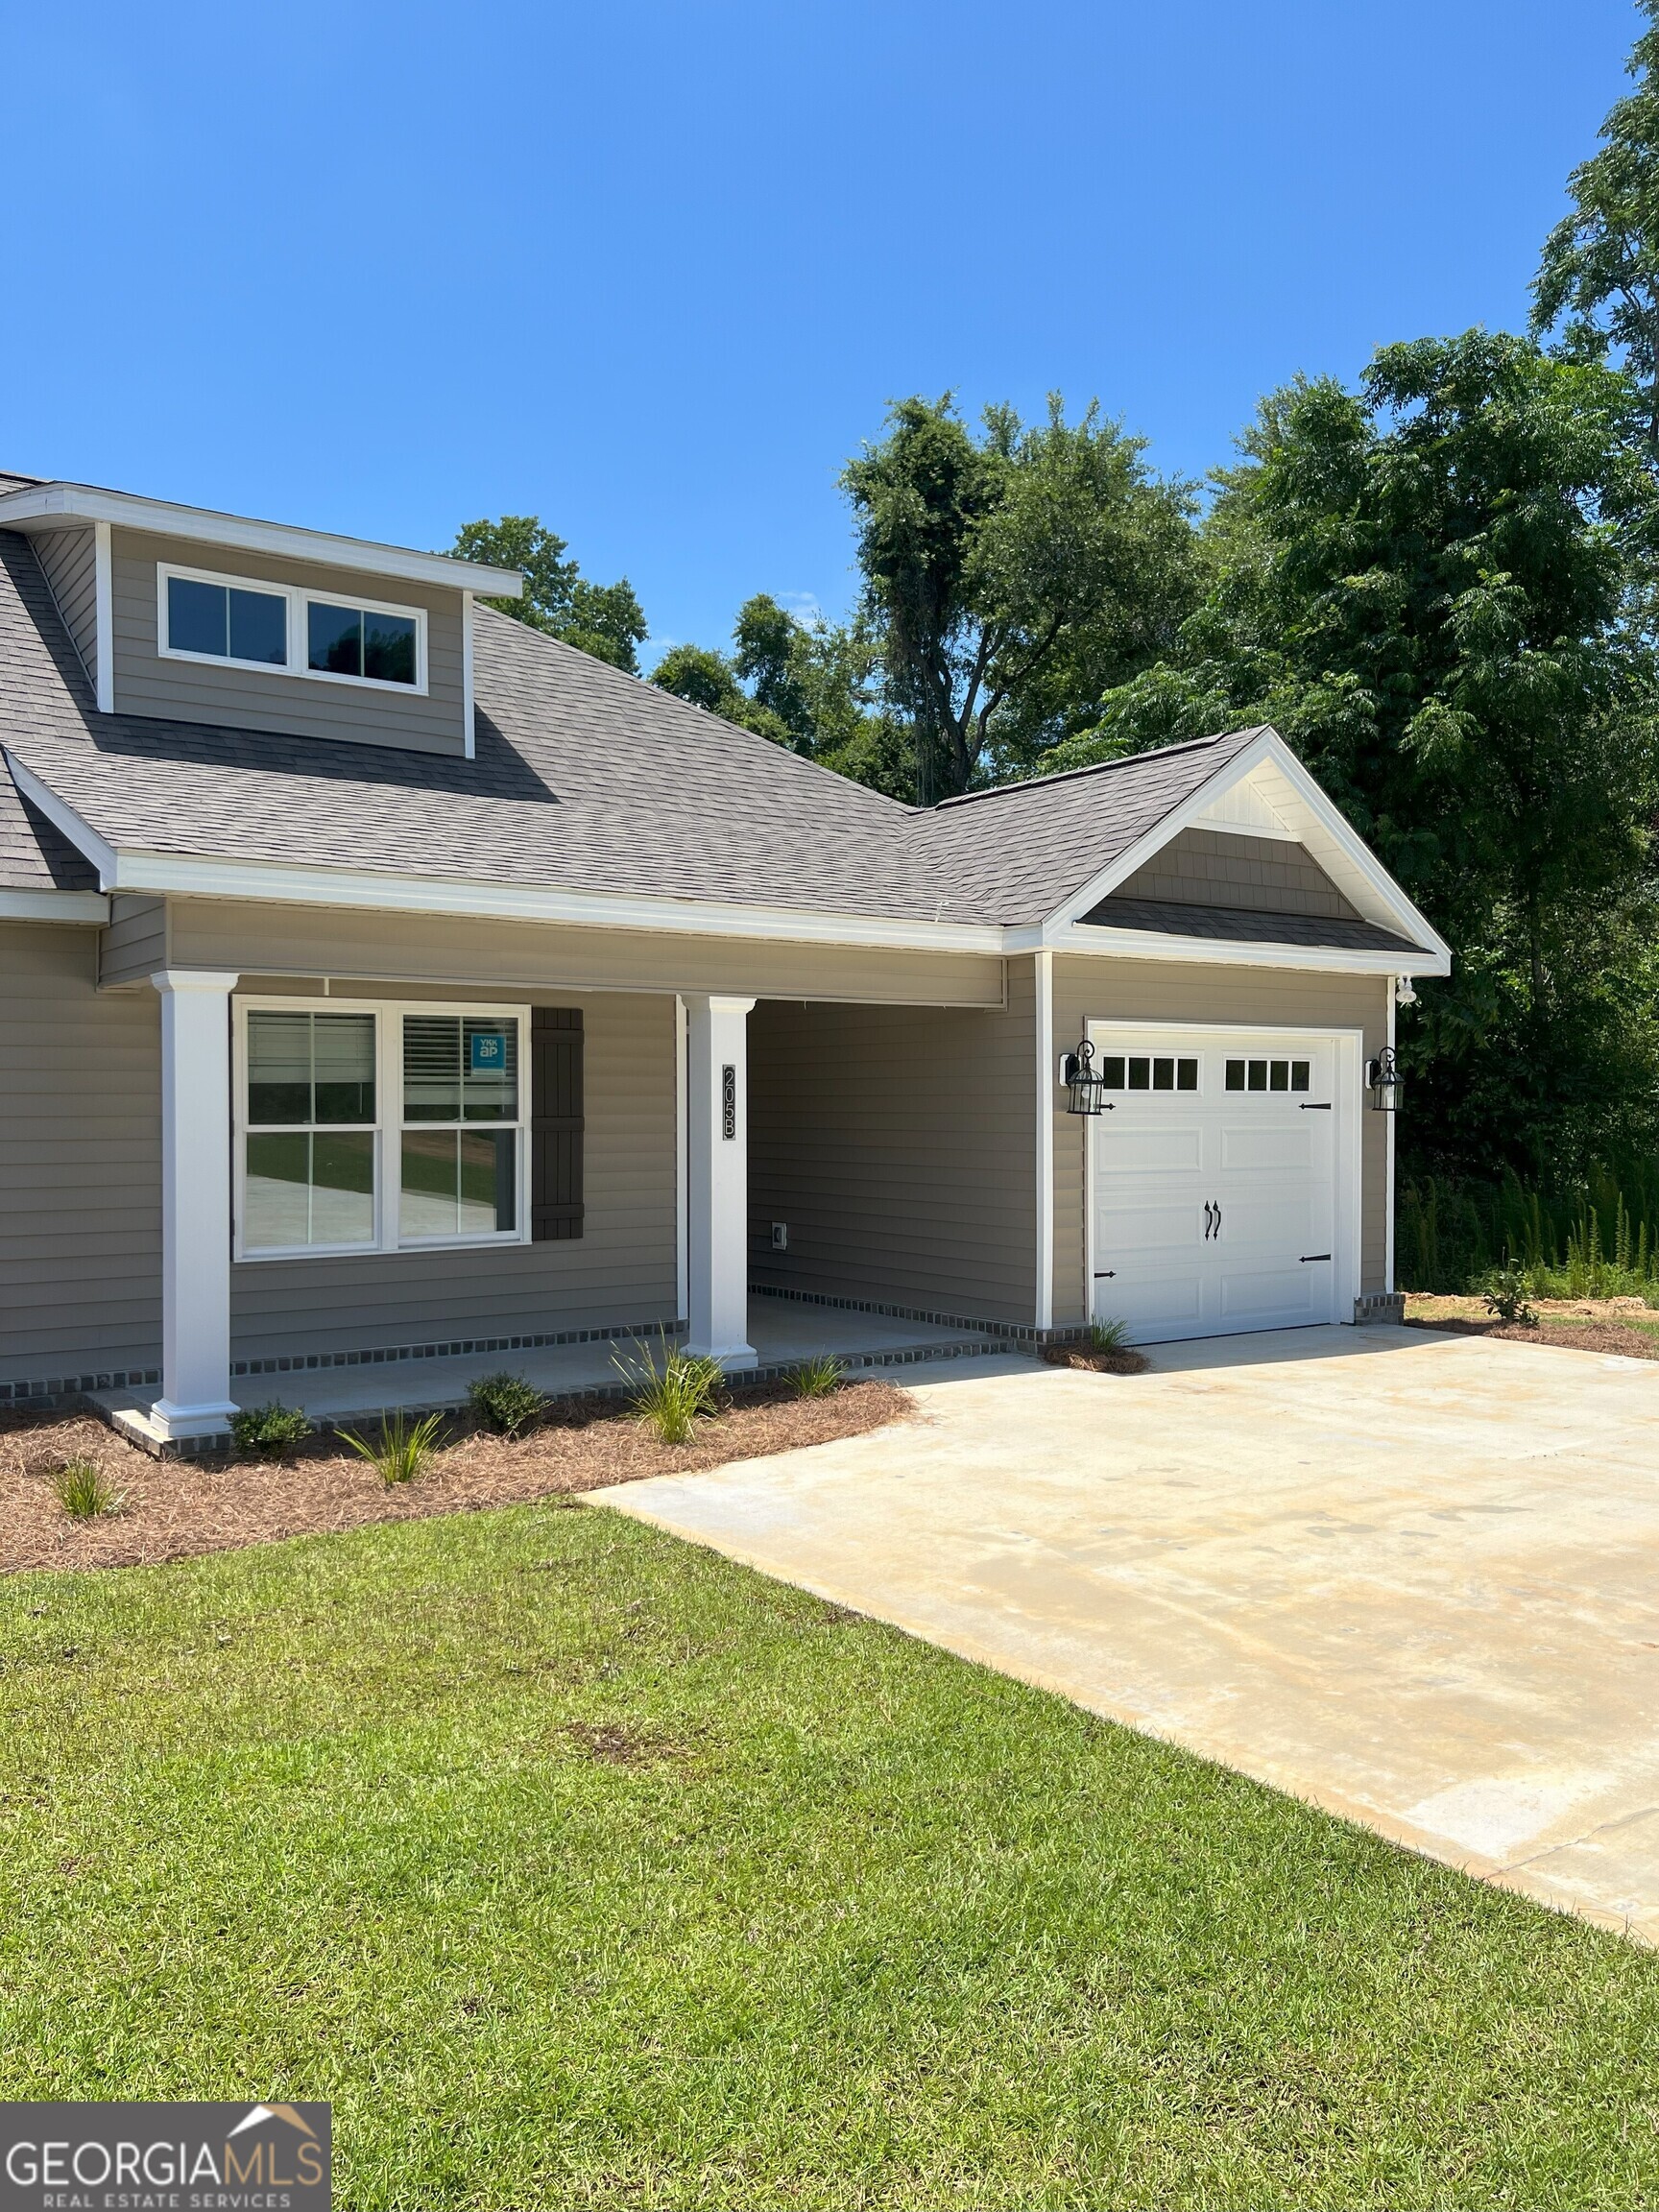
(1268,746)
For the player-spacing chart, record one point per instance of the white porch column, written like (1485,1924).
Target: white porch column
(717,1177)
(195,1398)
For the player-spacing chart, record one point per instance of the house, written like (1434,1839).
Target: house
(383,977)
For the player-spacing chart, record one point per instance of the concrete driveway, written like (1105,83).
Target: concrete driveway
(1411,1578)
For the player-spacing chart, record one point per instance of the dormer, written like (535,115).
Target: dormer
(193,617)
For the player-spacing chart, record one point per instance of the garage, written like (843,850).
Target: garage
(1223,1179)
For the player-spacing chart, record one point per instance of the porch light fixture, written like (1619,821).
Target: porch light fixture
(1085,1089)
(1385,1080)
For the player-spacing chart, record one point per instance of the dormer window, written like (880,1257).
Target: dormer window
(361,642)
(227,621)
(241,622)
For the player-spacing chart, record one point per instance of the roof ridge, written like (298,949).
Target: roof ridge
(1098,768)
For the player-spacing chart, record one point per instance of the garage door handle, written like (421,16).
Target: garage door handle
(1307,1255)
(1324,1107)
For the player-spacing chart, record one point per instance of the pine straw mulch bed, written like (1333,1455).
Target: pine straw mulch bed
(176,1509)
(1578,1324)
(1122,1359)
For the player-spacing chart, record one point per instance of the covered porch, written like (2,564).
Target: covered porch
(659,1226)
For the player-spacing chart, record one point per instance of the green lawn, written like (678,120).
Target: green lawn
(851,1923)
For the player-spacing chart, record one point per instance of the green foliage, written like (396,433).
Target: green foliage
(707,680)
(85,1491)
(1598,284)
(672,1391)
(506,1402)
(402,1449)
(604,619)
(1506,1296)
(1011,581)
(271,1431)
(819,1378)
(1109,1335)
(1597,1239)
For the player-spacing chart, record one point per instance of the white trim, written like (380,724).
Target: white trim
(88,502)
(297,601)
(103,606)
(195,1398)
(468,727)
(681,1159)
(387,1127)
(1348,1166)
(1376,889)
(1043,980)
(77,906)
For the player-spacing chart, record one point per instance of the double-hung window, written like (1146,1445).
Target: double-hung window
(367,1128)
(244,622)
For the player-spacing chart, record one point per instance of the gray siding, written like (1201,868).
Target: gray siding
(135,942)
(620,1269)
(247,698)
(81,1196)
(1102,990)
(353,945)
(1215,868)
(900,1148)
(69,559)
(80,1164)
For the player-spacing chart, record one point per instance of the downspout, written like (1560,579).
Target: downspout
(1045,1162)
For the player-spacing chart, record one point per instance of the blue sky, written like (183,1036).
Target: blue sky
(654,270)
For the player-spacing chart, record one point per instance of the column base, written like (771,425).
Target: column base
(732,1358)
(166,1423)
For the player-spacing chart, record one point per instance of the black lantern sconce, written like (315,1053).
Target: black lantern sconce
(1085,1090)
(1385,1082)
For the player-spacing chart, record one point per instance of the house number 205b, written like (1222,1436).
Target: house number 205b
(729,1103)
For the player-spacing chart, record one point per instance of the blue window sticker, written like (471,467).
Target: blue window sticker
(488,1052)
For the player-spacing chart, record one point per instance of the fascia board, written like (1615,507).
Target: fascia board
(184,876)
(65,821)
(40,905)
(1092,940)
(1266,746)
(200,525)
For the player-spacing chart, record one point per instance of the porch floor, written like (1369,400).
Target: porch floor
(782,1333)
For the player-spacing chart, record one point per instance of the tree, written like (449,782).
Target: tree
(1598,284)
(809,685)
(1427,587)
(1009,580)
(604,619)
(707,680)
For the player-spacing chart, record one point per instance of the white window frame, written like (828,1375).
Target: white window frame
(297,597)
(388,1126)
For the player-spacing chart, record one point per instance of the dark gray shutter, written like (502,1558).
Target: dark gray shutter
(555,1123)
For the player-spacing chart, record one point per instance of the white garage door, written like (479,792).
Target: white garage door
(1214,1181)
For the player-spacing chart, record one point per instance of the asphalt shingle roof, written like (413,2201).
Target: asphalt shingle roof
(584,780)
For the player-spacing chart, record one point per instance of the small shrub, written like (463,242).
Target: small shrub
(819,1378)
(1108,1336)
(1505,1296)
(269,1431)
(402,1448)
(671,1397)
(506,1402)
(85,1491)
